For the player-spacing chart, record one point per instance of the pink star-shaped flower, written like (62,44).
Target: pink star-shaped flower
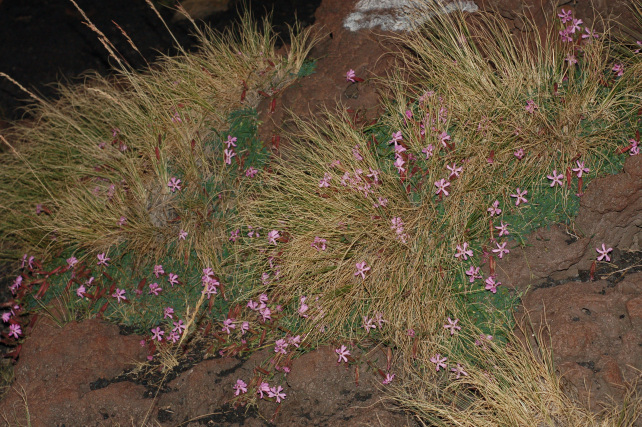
(158,270)
(519,195)
(388,379)
(441,187)
(604,253)
(555,178)
(459,370)
(367,324)
(350,76)
(428,151)
(182,235)
(325,182)
(580,169)
(362,268)
(473,273)
(251,172)
(494,209)
(230,141)
(501,250)
(439,361)
(179,327)
(503,229)
(168,312)
(452,326)
(158,334)
(119,295)
(15,330)
(343,353)
(464,251)
(319,244)
(102,259)
(174,184)
(240,387)
(277,393)
(565,16)
(454,170)
(272,236)
(491,285)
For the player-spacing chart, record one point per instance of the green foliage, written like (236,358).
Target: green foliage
(308,67)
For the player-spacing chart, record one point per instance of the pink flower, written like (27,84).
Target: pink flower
(179,327)
(571,59)
(350,76)
(396,138)
(639,43)
(228,325)
(367,324)
(158,270)
(169,312)
(230,141)
(501,250)
(443,137)
(158,334)
(555,178)
(459,370)
(6,316)
(565,35)
(519,153)
(174,184)
(604,253)
(182,235)
(81,291)
(240,387)
(251,172)
(102,259)
(173,279)
(441,187)
(272,236)
(122,221)
(618,69)
(439,361)
(473,273)
(452,326)
(277,392)
(173,337)
(580,169)
(280,346)
(454,170)
(482,340)
(234,235)
(503,229)
(399,164)
(464,251)
(491,285)
(325,182)
(343,353)
(355,152)
(154,289)
(388,379)
(319,244)
(263,388)
(410,332)
(245,326)
(531,106)
(590,33)
(575,26)
(520,196)
(362,268)
(494,209)
(428,151)
(565,16)
(227,156)
(252,305)
(15,330)
(119,295)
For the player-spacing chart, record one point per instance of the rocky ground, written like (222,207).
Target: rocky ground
(77,375)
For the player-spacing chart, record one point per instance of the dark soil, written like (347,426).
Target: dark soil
(45,41)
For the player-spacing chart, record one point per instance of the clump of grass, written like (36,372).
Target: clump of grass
(353,228)
(92,170)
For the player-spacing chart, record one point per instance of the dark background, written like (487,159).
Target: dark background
(45,41)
